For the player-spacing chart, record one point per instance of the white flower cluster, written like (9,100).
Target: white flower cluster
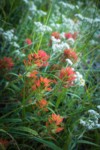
(11,38)
(41,13)
(60,47)
(9,35)
(42,28)
(79,79)
(32,9)
(67,5)
(92,122)
(89,20)
(98,107)
(18,54)
(69,62)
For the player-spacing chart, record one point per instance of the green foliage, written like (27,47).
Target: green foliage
(24,123)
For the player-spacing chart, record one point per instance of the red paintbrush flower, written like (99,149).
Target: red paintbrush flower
(39,59)
(42,104)
(56,35)
(67,75)
(43,83)
(54,123)
(28,41)
(69,53)
(6,63)
(68,35)
(57,119)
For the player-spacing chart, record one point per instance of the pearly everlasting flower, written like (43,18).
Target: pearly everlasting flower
(41,13)
(98,106)
(8,35)
(54,40)
(98,125)
(82,122)
(32,7)
(79,79)
(62,35)
(71,41)
(42,28)
(55,25)
(82,82)
(60,47)
(92,121)
(69,61)
(15,44)
(93,112)
(79,16)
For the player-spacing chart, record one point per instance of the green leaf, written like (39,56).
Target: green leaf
(47,143)
(15,87)
(28,130)
(87,142)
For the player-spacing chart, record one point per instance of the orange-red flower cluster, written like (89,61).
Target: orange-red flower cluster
(33,74)
(69,53)
(39,59)
(28,41)
(67,75)
(6,63)
(42,104)
(43,83)
(70,35)
(55,121)
(56,35)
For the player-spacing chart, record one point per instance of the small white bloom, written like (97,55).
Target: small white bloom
(77,7)
(32,7)
(69,61)
(29,17)
(71,41)
(41,13)
(82,122)
(15,44)
(54,40)
(98,106)
(82,82)
(93,112)
(60,47)
(22,55)
(97,20)
(8,35)
(62,35)
(16,52)
(79,75)
(79,16)
(42,28)
(98,125)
